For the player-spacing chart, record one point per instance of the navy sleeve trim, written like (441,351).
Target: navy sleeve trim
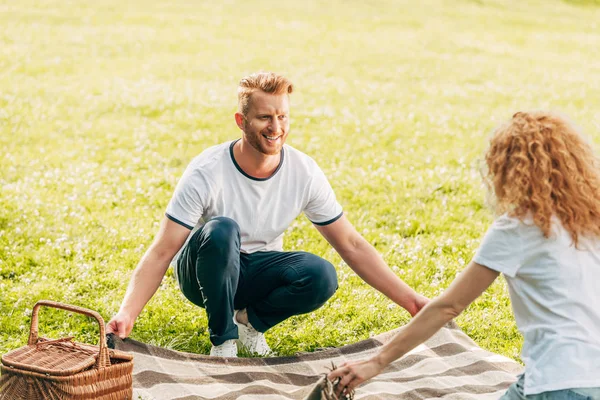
(331,221)
(178,221)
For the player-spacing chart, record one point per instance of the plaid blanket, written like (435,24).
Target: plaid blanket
(449,365)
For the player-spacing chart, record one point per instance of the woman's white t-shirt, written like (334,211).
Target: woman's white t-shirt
(555,294)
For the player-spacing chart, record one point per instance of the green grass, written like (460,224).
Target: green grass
(102,105)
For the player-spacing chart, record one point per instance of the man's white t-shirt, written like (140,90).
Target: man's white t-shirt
(214,185)
(555,294)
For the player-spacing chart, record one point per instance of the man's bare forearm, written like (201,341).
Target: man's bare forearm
(147,276)
(370,266)
(144,282)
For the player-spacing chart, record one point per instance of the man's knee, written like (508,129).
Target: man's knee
(220,231)
(323,278)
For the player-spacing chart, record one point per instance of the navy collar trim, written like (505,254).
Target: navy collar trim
(249,176)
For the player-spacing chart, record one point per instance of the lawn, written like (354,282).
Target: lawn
(103,104)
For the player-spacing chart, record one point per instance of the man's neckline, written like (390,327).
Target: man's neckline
(237,166)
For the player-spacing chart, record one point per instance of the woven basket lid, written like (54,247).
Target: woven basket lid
(59,359)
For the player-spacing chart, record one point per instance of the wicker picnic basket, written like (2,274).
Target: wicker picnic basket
(65,370)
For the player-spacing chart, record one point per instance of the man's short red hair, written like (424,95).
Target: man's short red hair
(268,82)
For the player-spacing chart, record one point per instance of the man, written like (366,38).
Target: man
(237,199)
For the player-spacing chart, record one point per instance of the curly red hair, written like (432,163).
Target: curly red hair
(539,164)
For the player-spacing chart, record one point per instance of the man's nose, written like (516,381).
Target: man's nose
(274,124)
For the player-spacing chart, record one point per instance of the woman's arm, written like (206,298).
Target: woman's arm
(469,285)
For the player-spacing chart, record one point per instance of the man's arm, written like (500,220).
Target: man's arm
(147,275)
(369,265)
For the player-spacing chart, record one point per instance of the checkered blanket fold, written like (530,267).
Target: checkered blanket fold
(449,365)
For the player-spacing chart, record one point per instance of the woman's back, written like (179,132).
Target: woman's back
(555,297)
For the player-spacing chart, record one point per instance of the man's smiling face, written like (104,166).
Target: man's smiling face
(266,124)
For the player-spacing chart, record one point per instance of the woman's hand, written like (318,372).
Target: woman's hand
(353,373)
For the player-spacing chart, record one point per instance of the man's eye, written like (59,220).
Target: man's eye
(283,117)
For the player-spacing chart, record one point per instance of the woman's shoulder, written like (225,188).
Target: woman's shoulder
(521,228)
(507,222)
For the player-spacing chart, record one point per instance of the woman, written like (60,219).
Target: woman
(546,241)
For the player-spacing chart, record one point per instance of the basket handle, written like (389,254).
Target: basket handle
(103,354)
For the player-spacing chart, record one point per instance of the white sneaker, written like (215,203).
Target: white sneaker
(227,349)
(251,339)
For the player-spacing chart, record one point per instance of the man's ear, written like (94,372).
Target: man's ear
(240,120)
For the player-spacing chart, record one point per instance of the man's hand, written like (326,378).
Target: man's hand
(121,324)
(419,302)
(353,373)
